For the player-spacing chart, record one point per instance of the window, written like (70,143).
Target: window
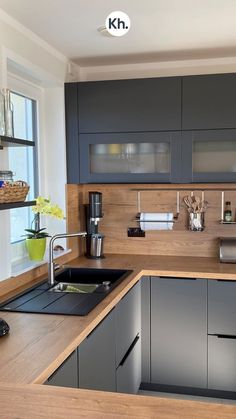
(23,160)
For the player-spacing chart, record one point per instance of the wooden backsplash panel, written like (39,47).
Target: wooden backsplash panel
(120,208)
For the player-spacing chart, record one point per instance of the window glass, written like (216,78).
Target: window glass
(22,160)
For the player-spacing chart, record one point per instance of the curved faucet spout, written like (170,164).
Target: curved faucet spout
(51,271)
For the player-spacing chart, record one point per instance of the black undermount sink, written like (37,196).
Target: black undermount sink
(76,292)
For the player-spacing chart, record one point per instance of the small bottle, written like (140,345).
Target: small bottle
(228,212)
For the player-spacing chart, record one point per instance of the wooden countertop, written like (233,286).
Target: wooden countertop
(38,343)
(31,401)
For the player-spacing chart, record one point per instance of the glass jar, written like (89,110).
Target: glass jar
(6,175)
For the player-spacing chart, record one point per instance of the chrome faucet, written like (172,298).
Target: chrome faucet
(51,270)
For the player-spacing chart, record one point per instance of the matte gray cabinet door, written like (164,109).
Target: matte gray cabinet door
(127,321)
(145,322)
(222,363)
(67,374)
(179,332)
(128,374)
(130,105)
(209,155)
(222,307)
(72,132)
(209,101)
(97,370)
(130,157)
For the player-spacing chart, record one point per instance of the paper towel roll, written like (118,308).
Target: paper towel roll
(147,221)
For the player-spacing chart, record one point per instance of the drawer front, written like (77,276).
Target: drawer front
(221,363)
(222,307)
(128,321)
(128,375)
(97,369)
(67,374)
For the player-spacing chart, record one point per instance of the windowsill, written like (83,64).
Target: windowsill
(25,265)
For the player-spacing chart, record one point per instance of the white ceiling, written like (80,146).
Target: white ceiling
(161,30)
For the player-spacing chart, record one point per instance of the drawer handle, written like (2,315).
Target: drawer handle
(225,336)
(129,350)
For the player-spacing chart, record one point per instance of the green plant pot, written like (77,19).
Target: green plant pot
(36,248)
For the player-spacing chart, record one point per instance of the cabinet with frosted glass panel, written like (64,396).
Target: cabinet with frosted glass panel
(130,157)
(209,156)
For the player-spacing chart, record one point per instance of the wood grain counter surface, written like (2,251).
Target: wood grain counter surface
(38,343)
(35,401)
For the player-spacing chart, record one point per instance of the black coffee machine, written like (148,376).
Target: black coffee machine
(94,240)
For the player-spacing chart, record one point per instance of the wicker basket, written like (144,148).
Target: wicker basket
(16,192)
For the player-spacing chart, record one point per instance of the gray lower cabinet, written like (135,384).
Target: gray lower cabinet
(128,341)
(127,321)
(179,332)
(222,363)
(96,354)
(128,374)
(145,322)
(67,374)
(221,307)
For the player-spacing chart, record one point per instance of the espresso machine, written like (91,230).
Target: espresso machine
(94,240)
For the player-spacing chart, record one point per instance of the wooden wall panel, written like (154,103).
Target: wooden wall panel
(120,208)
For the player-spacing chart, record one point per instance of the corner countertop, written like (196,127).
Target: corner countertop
(38,343)
(34,401)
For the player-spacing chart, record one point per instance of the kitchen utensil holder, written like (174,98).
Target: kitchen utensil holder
(196,221)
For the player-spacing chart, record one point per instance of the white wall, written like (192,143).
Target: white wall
(158,69)
(23,53)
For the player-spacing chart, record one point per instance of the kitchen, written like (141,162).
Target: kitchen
(137,149)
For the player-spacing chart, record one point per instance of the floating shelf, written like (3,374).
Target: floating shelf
(14,142)
(11,205)
(227,222)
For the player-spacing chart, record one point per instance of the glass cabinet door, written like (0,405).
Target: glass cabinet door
(129,157)
(210,156)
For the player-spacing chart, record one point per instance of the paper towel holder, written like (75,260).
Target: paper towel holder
(175,217)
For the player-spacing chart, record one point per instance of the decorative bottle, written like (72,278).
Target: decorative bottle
(228,212)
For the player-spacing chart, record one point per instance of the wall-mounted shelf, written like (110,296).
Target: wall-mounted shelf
(227,222)
(11,205)
(14,142)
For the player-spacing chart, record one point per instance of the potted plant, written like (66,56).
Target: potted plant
(36,238)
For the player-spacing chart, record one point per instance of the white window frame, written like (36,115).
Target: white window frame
(34,92)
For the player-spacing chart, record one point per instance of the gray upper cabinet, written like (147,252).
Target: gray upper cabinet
(179,332)
(67,374)
(209,102)
(97,370)
(209,156)
(130,105)
(130,157)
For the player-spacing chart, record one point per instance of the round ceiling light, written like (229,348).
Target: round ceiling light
(104,32)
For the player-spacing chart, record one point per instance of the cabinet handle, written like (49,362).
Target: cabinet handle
(129,350)
(224,336)
(177,277)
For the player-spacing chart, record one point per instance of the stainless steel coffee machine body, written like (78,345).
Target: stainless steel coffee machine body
(94,244)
